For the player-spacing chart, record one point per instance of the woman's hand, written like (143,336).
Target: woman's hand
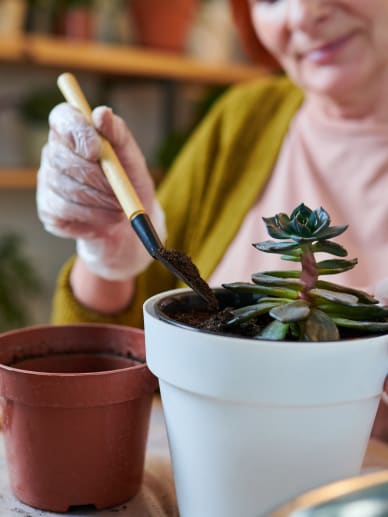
(75,200)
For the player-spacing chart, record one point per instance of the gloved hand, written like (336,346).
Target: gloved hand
(75,200)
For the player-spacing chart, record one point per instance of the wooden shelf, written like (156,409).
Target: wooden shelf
(120,60)
(109,60)
(17,178)
(11,48)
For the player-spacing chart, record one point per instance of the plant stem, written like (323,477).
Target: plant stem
(309,275)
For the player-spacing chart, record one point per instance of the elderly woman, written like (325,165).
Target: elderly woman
(318,135)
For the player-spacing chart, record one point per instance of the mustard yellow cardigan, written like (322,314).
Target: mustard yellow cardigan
(209,190)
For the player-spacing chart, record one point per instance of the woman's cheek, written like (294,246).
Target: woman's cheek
(269,27)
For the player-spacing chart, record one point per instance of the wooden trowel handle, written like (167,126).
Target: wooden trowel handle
(110,164)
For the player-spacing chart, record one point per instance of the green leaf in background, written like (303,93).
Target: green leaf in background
(36,106)
(19,281)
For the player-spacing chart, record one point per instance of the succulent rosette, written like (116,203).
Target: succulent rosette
(298,304)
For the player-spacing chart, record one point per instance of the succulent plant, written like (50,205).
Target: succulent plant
(297,303)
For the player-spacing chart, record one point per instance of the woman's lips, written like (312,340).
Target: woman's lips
(327,53)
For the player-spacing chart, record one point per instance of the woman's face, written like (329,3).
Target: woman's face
(326,46)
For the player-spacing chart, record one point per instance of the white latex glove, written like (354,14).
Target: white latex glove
(75,200)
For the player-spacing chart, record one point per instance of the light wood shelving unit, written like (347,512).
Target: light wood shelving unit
(17,178)
(119,60)
(111,61)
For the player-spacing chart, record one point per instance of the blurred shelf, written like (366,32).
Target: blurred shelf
(116,61)
(17,178)
(11,48)
(120,60)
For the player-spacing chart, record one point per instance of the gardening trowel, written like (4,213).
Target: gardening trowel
(177,262)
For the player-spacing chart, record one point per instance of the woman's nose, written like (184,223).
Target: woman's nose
(305,14)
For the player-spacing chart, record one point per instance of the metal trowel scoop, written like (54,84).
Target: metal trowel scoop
(177,262)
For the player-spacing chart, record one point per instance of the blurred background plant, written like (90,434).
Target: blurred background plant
(34,109)
(19,283)
(37,104)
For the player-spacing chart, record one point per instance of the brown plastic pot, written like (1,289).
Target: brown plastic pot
(76,403)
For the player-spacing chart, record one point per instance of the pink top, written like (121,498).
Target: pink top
(341,165)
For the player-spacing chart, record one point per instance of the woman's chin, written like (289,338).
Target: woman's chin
(338,78)
(332,82)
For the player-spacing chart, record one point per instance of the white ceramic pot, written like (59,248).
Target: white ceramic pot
(251,424)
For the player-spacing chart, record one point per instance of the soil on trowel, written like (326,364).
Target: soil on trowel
(189,270)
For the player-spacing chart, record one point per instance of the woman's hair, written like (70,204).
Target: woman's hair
(255,50)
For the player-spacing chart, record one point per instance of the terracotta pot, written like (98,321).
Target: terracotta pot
(76,405)
(163,25)
(76,23)
(253,423)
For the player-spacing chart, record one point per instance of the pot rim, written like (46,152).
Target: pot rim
(152,307)
(80,389)
(5,335)
(262,371)
(78,375)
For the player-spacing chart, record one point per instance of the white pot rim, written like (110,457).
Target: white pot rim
(265,372)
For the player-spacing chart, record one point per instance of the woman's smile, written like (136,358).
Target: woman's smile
(328,53)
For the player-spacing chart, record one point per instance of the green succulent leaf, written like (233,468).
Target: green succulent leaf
(331,232)
(300,230)
(290,273)
(252,311)
(329,247)
(293,255)
(357,312)
(293,311)
(274,331)
(366,326)
(276,247)
(294,330)
(275,226)
(320,327)
(322,219)
(363,296)
(264,279)
(333,296)
(303,221)
(297,252)
(291,258)
(332,267)
(243,287)
(301,212)
(280,292)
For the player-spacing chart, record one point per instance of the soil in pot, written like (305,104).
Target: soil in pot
(189,310)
